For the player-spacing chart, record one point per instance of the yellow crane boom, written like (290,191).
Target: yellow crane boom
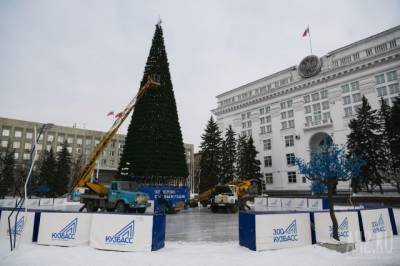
(88,169)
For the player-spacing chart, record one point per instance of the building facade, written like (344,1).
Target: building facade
(18,135)
(290,112)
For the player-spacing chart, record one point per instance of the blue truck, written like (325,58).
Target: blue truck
(122,196)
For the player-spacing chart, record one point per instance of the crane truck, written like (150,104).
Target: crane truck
(119,196)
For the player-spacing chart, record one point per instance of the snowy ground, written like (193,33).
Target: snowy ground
(203,253)
(198,237)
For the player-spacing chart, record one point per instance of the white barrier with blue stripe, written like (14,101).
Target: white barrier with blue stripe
(64,229)
(46,202)
(8,203)
(289,204)
(127,232)
(272,230)
(376,224)
(23,228)
(274,203)
(348,227)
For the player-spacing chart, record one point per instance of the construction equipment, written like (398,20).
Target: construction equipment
(225,197)
(245,190)
(96,192)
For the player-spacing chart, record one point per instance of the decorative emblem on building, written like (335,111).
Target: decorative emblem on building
(309,66)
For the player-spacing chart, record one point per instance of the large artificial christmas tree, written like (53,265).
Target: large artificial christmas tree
(153,146)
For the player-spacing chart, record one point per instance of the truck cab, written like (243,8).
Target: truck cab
(124,195)
(224,197)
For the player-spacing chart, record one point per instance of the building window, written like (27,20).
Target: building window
(262,130)
(325,105)
(28,146)
(243,125)
(289,141)
(59,148)
(307,109)
(268,118)
(345,88)
(283,105)
(356,97)
(380,79)
(60,138)
(308,120)
(50,138)
(284,125)
(394,88)
(262,111)
(16,145)
(348,111)
(79,142)
(69,149)
(324,94)
(6,132)
(316,107)
(289,103)
(283,115)
(269,178)
(290,113)
(267,144)
(48,147)
(248,123)
(382,91)
(262,120)
(269,128)
(29,135)
(327,116)
(292,177)
(4,143)
(267,161)
(290,159)
(249,132)
(16,155)
(392,75)
(291,123)
(18,133)
(346,100)
(243,116)
(355,86)
(27,156)
(315,96)
(248,115)
(70,140)
(307,98)
(88,142)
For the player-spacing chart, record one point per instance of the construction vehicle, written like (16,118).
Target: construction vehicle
(245,190)
(225,197)
(119,195)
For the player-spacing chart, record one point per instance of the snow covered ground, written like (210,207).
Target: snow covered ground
(203,253)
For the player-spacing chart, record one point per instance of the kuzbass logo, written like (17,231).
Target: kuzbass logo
(283,235)
(18,228)
(378,226)
(123,236)
(67,233)
(343,229)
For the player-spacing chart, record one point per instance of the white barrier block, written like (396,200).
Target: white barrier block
(300,204)
(276,231)
(121,232)
(64,229)
(59,201)
(260,204)
(287,204)
(32,203)
(8,203)
(396,214)
(349,228)
(315,204)
(23,230)
(274,203)
(376,224)
(46,202)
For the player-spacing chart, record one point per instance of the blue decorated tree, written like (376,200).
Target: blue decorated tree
(327,166)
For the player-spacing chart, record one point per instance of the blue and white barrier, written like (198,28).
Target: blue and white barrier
(348,227)
(32,203)
(275,230)
(290,204)
(59,201)
(127,232)
(23,228)
(8,203)
(46,202)
(266,231)
(64,229)
(376,224)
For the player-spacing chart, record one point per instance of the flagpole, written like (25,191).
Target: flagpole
(309,37)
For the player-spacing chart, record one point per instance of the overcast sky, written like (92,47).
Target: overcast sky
(69,62)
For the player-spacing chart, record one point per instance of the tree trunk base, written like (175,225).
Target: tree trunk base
(339,247)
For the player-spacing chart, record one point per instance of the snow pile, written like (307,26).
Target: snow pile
(380,252)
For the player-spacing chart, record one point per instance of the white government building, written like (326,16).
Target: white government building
(290,112)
